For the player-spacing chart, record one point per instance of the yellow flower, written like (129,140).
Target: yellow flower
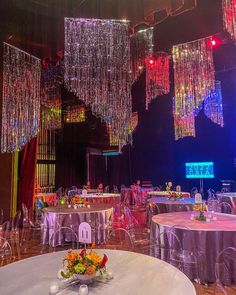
(95,257)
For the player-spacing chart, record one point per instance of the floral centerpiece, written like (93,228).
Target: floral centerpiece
(175,195)
(84,266)
(201,207)
(77,200)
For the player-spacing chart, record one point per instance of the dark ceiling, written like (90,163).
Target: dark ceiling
(37,26)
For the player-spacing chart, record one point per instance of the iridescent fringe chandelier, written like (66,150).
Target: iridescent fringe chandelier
(75,114)
(229,17)
(98,70)
(51,114)
(213,107)
(21,98)
(157,76)
(113,139)
(194,77)
(141,47)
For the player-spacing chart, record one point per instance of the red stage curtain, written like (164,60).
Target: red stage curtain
(27,169)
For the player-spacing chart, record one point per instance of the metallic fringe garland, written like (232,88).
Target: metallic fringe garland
(229,17)
(21,98)
(213,107)
(157,76)
(194,77)
(113,139)
(97,69)
(141,47)
(52,79)
(75,114)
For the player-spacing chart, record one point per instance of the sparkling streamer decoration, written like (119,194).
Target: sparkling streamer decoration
(21,98)
(97,69)
(113,139)
(157,76)
(141,45)
(194,77)
(75,114)
(184,125)
(229,17)
(52,79)
(213,107)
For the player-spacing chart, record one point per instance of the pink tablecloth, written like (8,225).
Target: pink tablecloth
(207,239)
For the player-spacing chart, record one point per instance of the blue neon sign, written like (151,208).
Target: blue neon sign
(199,170)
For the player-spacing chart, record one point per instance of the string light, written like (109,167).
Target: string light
(21,98)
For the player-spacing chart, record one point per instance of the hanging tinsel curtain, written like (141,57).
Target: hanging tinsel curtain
(97,69)
(21,98)
(229,17)
(113,138)
(74,114)
(157,76)
(141,47)
(194,81)
(52,79)
(213,107)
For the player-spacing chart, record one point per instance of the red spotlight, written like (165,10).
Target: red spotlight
(215,42)
(151,61)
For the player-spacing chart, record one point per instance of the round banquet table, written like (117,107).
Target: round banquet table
(166,205)
(104,198)
(134,196)
(99,216)
(228,198)
(208,239)
(165,194)
(133,274)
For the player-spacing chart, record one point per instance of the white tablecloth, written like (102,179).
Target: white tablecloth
(134,274)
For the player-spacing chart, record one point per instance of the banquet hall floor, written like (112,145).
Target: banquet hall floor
(33,247)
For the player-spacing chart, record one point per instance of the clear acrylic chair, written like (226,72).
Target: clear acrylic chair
(194,191)
(4,230)
(225,270)
(63,236)
(5,252)
(191,259)
(211,193)
(106,189)
(120,239)
(115,189)
(224,207)
(152,209)
(212,204)
(170,249)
